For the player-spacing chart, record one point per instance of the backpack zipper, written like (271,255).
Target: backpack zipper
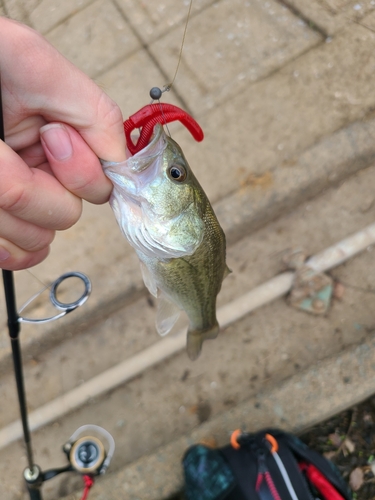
(265,474)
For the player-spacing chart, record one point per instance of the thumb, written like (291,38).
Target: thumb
(74,164)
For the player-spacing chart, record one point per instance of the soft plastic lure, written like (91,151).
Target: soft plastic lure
(148,116)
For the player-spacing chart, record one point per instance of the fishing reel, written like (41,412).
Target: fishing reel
(87,453)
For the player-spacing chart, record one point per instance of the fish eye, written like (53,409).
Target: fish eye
(177,173)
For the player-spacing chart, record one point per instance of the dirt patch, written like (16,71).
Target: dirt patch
(348,439)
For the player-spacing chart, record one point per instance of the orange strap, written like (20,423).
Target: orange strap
(233,439)
(274,445)
(235,444)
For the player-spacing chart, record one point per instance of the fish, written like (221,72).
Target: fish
(167,218)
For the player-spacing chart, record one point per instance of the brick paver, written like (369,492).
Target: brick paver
(268,84)
(98,30)
(330,16)
(229,46)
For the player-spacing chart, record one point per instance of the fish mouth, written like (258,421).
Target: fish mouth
(131,175)
(155,148)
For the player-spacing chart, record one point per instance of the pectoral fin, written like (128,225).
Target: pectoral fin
(195,339)
(148,279)
(167,314)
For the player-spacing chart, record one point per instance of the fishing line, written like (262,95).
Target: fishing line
(156,92)
(45,286)
(169,86)
(165,120)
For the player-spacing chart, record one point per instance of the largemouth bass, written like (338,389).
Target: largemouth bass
(166,216)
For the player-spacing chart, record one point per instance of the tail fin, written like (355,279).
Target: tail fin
(195,339)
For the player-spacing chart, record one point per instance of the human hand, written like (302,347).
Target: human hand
(57,124)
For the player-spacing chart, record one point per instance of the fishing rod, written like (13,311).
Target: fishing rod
(85,449)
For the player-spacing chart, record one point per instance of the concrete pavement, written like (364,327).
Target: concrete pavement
(284,92)
(293,90)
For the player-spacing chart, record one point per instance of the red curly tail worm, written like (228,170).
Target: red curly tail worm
(146,119)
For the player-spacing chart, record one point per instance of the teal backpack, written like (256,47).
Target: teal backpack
(268,465)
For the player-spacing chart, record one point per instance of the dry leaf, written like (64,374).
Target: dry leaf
(356,479)
(367,418)
(335,439)
(349,445)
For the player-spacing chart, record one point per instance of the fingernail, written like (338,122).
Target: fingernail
(4,254)
(57,140)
